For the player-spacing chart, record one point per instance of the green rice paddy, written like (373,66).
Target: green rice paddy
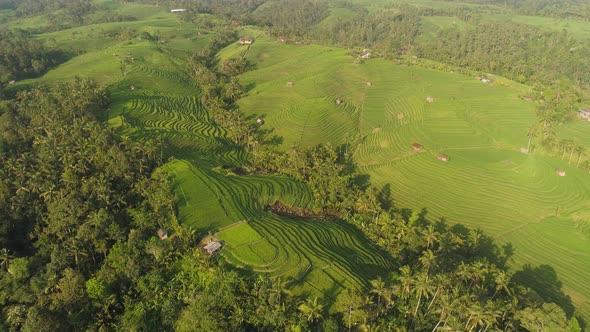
(487,183)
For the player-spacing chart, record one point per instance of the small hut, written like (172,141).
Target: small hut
(429,99)
(290,84)
(560,172)
(486,81)
(212,247)
(369,84)
(259,122)
(584,114)
(246,41)
(162,234)
(11,82)
(417,147)
(339,101)
(284,39)
(442,157)
(132,87)
(524,150)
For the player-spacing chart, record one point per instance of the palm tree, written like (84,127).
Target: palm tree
(586,165)
(580,150)
(430,235)
(564,143)
(422,289)
(532,133)
(378,288)
(312,309)
(406,280)
(5,258)
(573,146)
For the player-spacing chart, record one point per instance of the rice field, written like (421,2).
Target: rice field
(487,183)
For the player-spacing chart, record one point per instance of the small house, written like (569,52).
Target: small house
(290,84)
(339,101)
(486,81)
(162,234)
(584,114)
(442,157)
(178,10)
(369,84)
(417,147)
(246,41)
(259,122)
(132,87)
(524,150)
(212,247)
(429,99)
(284,39)
(560,172)
(11,82)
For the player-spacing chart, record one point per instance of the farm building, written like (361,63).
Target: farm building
(178,10)
(442,157)
(524,150)
(429,99)
(584,114)
(212,247)
(246,41)
(290,84)
(162,234)
(365,54)
(339,101)
(560,172)
(417,147)
(11,82)
(259,121)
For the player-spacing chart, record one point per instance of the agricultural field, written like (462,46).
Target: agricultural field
(154,98)
(487,183)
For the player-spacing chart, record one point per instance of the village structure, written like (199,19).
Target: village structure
(284,39)
(162,234)
(364,54)
(246,41)
(429,99)
(417,147)
(178,10)
(259,122)
(584,114)
(442,157)
(524,150)
(212,247)
(560,172)
(290,84)
(339,101)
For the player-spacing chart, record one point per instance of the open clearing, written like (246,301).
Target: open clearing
(487,183)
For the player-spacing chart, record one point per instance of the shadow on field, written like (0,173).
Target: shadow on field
(543,280)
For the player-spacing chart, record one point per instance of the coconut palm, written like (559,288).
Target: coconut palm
(580,150)
(5,258)
(378,289)
(312,309)
(532,133)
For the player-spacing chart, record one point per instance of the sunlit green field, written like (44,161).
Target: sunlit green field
(487,183)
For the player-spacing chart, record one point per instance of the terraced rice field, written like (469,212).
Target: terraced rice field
(487,183)
(316,256)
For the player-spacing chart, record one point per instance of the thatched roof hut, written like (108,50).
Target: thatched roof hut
(162,234)
(259,121)
(524,150)
(11,82)
(560,172)
(442,157)
(429,99)
(212,247)
(584,114)
(246,41)
(339,101)
(417,147)
(132,87)
(290,84)
(369,84)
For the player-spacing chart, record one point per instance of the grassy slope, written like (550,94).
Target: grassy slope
(488,183)
(315,255)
